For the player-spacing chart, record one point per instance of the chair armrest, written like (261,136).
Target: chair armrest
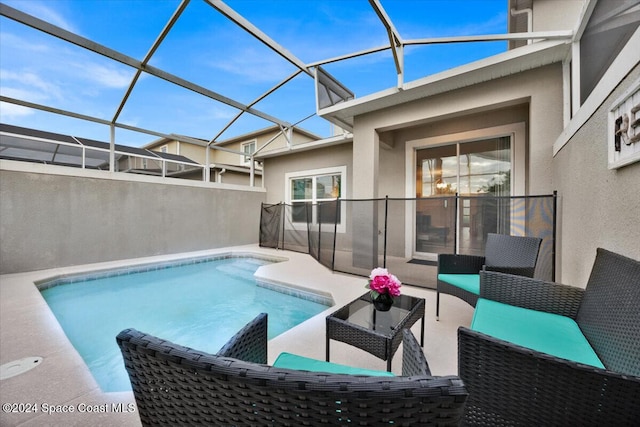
(508,383)
(413,360)
(531,293)
(249,344)
(459,264)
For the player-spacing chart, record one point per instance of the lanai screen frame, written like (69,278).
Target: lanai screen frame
(324,82)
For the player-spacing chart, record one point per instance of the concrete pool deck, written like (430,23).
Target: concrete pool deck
(62,384)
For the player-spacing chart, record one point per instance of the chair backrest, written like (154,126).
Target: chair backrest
(413,360)
(609,314)
(503,250)
(249,343)
(176,385)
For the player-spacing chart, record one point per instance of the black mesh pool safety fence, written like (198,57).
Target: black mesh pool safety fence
(354,236)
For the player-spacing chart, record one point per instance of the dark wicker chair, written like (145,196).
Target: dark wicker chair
(504,253)
(512,385)
(176,385)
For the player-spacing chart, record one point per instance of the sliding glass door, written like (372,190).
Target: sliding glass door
(471,168)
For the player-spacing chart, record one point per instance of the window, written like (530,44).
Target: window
(164,149)
(602,55)
(312,195)
(248,148)
(468,168)
(607,32)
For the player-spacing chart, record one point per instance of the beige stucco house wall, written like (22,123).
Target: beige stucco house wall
(532,98)
(549,15)
(276,167)
(598,206)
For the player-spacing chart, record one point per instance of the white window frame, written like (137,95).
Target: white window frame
(314,174)
(246,159)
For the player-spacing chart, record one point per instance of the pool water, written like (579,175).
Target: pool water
(198,305)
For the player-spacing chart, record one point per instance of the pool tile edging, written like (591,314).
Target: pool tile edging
(291,290)
(64,279)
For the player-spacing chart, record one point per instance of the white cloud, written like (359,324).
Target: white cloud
(21,44)
(497,25)
(41,10)
(217,113)
(28,86)
(31,79)
(12,111)
(254,65)
(106,76)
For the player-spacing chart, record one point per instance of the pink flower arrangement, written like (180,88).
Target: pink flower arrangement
(382,282)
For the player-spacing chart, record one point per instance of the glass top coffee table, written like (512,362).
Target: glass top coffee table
(377,332)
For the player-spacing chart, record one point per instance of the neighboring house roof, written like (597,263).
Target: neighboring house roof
(163,141)
(504,64)
(239,138)
(48,150)
(256,133)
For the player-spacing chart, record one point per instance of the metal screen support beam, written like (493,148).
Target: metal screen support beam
(149,54)
(112,148)
(288,135)
(395,41)
(85,43)
(241,21)
(207,162)
(252,172)
(254,102)
(180,138)
(538,35)
(41,107)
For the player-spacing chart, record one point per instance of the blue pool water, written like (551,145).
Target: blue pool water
(198,305)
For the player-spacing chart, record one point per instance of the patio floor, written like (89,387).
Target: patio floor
(62,383)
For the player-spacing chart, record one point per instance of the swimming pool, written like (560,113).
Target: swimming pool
(197,304)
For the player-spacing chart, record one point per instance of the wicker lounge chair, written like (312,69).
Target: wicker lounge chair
(512,384)
(458,274)
(175,385)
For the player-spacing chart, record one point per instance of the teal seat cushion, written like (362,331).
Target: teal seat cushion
(468,282)
(301,363)
(548,333)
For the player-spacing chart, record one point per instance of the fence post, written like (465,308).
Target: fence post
(553,246)
(335,233)
(386,215)
(455,225)
(284,211)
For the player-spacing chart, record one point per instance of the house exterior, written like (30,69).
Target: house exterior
(536,119)
(554,113)
(230,160)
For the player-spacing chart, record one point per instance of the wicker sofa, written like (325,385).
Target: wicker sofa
(514,384)
(175,385)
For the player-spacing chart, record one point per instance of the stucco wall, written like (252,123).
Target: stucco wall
(598,207)
(550,15)
(540,89)
(276,167)
(51,220)
(191,151)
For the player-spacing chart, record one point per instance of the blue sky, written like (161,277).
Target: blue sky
(211,51)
